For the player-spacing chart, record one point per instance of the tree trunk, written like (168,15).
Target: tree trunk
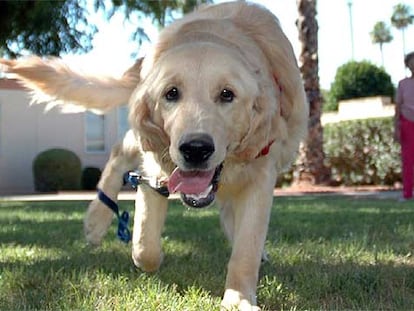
(310,167)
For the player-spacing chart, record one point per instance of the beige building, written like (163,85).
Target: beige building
(26,130)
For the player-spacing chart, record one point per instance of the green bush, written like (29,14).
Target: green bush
(362,152)
(90,178)
(328,104)
(57,169)
(360,79)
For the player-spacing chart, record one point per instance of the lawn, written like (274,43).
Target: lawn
(326,253)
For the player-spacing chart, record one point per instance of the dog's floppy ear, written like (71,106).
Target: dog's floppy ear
(147,123)
(264,28)
(289,123)
(53,81)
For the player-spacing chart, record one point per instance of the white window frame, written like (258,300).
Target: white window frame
(88,140)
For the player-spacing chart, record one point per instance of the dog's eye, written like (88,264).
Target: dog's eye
(226,96)
(172,94)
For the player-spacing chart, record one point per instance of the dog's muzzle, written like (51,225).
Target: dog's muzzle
(196,182)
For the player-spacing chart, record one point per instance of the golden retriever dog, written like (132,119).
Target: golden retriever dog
(217,109)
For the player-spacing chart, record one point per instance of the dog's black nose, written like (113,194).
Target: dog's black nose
(196,148)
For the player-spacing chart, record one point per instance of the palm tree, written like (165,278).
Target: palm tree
(381,34)
(310,166)
(401,18)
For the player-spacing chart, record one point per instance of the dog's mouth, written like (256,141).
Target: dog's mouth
(198,188)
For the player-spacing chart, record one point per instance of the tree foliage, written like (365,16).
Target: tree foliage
(401,18)
(381,34)
(360,79)
(160,11)
(53,27)
(44,27)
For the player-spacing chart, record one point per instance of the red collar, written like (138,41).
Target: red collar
(265,150)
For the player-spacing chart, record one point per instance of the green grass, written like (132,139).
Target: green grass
(326,253)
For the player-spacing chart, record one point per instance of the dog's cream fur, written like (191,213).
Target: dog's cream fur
(236,46)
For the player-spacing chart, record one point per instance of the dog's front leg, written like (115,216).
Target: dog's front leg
(150,214)
(98,217)
(251,213)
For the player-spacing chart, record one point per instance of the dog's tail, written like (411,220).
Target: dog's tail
(53,82)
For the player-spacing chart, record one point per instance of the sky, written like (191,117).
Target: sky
(113,48)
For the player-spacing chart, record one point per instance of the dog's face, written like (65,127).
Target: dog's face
(203,102)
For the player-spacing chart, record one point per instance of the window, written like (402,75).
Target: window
(95,132)
(123,125)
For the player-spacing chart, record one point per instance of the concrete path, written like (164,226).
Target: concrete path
(65,196)
(130,195)
(361,192)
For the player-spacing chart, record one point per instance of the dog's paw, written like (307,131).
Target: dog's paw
(97,221)
(233,301)
(148,260)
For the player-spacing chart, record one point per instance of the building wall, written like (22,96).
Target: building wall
(26,130)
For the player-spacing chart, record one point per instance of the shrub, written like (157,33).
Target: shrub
(90,178)
(362,152)
(360,79)
(57,169)
(328,104)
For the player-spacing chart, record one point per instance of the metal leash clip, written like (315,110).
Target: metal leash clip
(134,178)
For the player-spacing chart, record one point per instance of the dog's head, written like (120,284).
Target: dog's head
(209,94)
(205,104)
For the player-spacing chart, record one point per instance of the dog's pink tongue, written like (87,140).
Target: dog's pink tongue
(193,182)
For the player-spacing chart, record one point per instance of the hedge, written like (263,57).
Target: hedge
(90,177)
(362,152)
(57,169)
(359,152)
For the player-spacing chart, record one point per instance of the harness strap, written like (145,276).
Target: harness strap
(123,232)
(108,201)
